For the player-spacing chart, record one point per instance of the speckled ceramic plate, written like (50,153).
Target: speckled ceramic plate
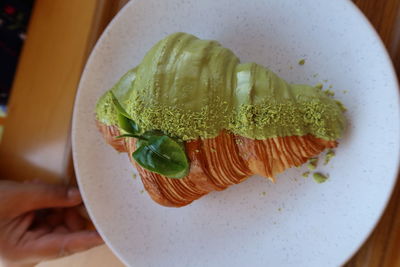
(295,222)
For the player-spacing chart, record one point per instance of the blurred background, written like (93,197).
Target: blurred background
(14,18)
(44,45)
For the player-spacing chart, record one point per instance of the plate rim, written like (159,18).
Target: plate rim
(361,17)
(393,74)
(103,35)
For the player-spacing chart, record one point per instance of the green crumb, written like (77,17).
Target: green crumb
(311,167)
(268,119)
(279,209)
(290,67)
(302,62)
(315,75)
(264,193)
(213,150)
(344,91)
(329,155)
(341,106)
(330,86)
(319,177)
(306,174)
(312,164)
(134,175)
(329,93)
(319,86)
(141,191)
(325,81)
(239,141)
(105,110)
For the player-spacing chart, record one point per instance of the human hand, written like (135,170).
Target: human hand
(40,222)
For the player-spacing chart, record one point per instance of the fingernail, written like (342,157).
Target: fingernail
(73,193)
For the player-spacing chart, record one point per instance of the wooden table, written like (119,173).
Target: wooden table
(36,142)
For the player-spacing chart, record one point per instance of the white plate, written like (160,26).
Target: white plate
(298,222)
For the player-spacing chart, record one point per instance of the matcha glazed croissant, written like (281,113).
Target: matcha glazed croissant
(193,120)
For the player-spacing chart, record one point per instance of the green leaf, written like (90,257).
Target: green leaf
(131,135)
(145,137)
(119,107)
(127,124)
(155,151)
(124,120)
(163,155)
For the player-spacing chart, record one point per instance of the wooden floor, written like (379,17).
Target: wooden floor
(37,132)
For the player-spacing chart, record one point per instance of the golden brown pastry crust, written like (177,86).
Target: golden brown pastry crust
(219,162)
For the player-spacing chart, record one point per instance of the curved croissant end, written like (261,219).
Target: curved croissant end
(110,133)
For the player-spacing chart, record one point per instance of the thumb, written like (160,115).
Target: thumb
(33,196)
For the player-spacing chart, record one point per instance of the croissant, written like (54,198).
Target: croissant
(219,162)
(233,120)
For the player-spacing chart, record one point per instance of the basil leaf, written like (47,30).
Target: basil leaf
(124,120)
(163,155)
(118,106)
(145,137)
(127,124)
(130,135)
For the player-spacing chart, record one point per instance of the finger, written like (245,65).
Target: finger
(73,220)
(57,245)
(20,226)
(61,229)
(32,235)
(39,232)
(25,222)
(40,196)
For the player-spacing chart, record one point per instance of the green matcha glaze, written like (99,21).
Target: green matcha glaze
(192,88)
